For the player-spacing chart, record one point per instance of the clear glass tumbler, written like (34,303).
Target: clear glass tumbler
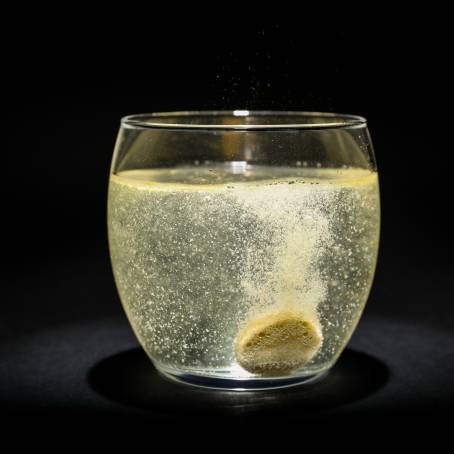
(243,243)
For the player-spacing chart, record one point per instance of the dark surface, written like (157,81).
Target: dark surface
(398,362)
(65,346)
(91,367)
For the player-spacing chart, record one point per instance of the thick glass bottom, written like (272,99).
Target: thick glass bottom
(238,384)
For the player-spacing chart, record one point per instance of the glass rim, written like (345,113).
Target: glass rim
(152,120)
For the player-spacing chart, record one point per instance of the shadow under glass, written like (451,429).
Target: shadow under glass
(131,379)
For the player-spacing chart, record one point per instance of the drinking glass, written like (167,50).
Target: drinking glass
(243,243)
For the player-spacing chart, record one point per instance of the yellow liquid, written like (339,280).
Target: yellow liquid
(200,252)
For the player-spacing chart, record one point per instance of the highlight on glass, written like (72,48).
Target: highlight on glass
(243,243)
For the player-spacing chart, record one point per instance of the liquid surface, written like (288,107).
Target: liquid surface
(200,253)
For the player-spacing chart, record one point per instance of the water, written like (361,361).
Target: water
(206,256)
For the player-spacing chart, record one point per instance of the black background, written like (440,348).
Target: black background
(66,91)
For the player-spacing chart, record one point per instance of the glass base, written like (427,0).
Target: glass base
(233,384)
